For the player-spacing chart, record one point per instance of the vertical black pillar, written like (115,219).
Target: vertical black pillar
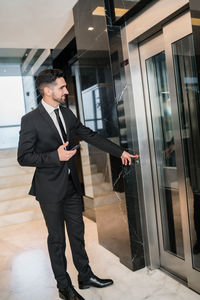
(130,179)
(100,62)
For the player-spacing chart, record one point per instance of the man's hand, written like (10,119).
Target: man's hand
(126,157)
(65,155)
(168,152)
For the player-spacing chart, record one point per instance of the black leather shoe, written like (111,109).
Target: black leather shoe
(95,282)
(70,294)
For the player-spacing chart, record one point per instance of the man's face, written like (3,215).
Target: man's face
(59,91)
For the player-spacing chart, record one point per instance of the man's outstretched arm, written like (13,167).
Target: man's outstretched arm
(102,143)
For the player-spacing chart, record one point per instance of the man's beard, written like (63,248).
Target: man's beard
(60,100)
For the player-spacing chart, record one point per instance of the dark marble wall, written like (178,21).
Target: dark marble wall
(129,142)
(103,85)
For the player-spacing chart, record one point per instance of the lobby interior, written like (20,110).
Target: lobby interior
(140,220)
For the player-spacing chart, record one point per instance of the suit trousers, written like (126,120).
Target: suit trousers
(68,211)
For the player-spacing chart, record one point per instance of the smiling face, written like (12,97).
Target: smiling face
(56,93)
(59,90)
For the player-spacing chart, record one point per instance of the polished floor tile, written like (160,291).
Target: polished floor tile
(25,272)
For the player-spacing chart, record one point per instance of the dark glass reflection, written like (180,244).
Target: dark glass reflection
(188,100)
(92,108)
(165,157)
(98,100)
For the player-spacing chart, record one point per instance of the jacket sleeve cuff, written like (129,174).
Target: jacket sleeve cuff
(55,158)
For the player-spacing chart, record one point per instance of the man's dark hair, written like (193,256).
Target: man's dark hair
(46,77)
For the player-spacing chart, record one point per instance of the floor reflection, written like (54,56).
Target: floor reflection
(25,271)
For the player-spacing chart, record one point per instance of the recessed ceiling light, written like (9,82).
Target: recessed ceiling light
(90,28)
(120,12)
(100,11)
(196,21)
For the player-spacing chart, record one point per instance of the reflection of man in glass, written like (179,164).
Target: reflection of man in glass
(169,176)
(170,160)
(192,168)
(188,101)
(169,153)
(169,147)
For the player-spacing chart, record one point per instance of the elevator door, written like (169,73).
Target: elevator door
(165,71)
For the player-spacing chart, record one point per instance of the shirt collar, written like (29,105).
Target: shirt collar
(48,107)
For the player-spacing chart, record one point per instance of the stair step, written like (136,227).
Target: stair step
(88,202)
(10,181)
(93,178)
(89,169)
(21,216)
(101,200)
(108,199)
(101,188)
(15,170)
(11,205)
(16,192)
(97,189)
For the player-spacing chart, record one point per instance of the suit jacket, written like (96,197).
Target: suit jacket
(38,144)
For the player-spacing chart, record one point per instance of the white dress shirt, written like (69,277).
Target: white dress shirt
(50,109)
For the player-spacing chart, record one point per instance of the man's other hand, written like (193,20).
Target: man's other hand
(65,155)
(126,158)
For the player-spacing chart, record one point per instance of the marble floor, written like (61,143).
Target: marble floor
(25,272)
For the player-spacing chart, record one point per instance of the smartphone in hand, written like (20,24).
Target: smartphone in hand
(75,147)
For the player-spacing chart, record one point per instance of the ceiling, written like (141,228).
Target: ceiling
(34,24)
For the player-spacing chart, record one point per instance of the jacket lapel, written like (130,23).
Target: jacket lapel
(50,122)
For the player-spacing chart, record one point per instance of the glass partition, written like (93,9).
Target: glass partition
(18,93)
(189,111)
(165,157)
(12,104)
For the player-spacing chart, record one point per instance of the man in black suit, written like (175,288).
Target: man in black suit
(46,137)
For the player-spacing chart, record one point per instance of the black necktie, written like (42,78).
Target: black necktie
(61,125)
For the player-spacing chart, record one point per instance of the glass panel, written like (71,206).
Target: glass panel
(88,104)
(13,109)
(96,105)
(90,124)
(189,110)
(165,158)
(9,137)
(18,93)
(12,101)
(99,124)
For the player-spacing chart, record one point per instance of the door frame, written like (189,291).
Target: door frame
(161,42)
(180,27)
